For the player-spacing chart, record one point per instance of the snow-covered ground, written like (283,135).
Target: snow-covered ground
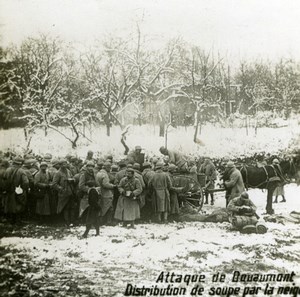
(53,261)
(215,141)
(106,264)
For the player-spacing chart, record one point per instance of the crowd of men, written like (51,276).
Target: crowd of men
(103,191)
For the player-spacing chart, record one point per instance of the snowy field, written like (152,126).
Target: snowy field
(54,262)
(215,141)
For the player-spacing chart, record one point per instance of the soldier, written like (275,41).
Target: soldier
(89,156)
(208,168)
(128,209)
(136,156)
(160,185)
(174,191)
(137,173)
(234,182)
(243,212)
(175,158)
(30,171)
(107,193)
(85,177)
(17,184)
(147,175)
(279,191)
(42,191)
(3,166)
(94,208)
(63,183)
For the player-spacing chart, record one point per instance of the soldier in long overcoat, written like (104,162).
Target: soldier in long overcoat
(160,185)
(174,191)
(42,190)
(107,193)
(234,184)
(147,174)
(208,168)
(86,176)
(63,182)
(128,207)
(94,208)
(53,167)
(17,184)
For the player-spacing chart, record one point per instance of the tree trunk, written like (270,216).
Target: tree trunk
(74,142)
(25,134)
(107,120)
(162,125)
(108,129)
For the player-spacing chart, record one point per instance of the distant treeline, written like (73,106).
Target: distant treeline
(45,83)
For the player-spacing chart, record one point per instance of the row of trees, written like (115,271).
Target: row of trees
(47,84)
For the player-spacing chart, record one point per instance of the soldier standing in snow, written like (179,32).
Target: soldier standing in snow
(107,193)
(128,207)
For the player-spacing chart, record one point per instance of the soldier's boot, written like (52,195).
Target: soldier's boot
(212,200)
(158,217)
(86,232)
(206,199)
(283,199)
(276,199)
(97,230)
(131,226)
(165,217)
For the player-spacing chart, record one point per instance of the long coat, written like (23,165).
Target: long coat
(64,188)
(84,177)
(14,177)
(139,176)
(54,195)
(160,185)
(174,205)
(107,193)
(42,184)
(94,208)
(235,183)
(211,175)
(128,208)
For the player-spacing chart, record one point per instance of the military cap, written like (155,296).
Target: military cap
(55,162)
(138,147)
(146,164)
(29,162)
(106,163)
(90,163)
(122,164)
(136,166)
(48,157)
(172,167)
(63,161)
(275,161)
(159,165)
(245,195)
(154,160)
(43,164)
(230,164)
(130,170)
(18,161)
(114,168)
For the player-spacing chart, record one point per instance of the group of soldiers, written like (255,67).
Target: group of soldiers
(103,191)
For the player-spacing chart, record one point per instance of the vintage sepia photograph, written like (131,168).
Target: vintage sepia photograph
(149,148)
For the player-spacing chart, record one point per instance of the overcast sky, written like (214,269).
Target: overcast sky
(237,28)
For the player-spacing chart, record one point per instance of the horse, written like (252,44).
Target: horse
(269,177)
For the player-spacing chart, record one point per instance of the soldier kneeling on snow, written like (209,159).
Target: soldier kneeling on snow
(244,217)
